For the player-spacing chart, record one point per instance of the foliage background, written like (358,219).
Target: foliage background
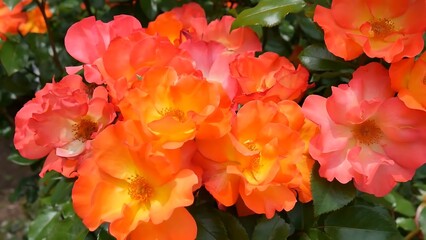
(41,207)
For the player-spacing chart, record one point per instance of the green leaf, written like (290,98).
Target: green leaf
(57,223)
(316,57)
(286,30)
(12,56)
(310,28)
(408,224)
(315,234)
(275,43)
(18,159)
(329,196)
(249,222)
(209,223)
(400,204)
(301,217)
(48,182)
(40,225)
(420,172)
(11,3)
(271,229)
(61,192)
(104,235)
(149,8)
(267,13)
(374,200)
(324,3)
(361,223)
(233,227)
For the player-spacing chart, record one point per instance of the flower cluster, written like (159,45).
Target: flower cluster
(165,110)
(154,114)
(16,20)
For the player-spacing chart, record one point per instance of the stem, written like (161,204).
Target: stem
(41,5)
(89,11)
(412,234)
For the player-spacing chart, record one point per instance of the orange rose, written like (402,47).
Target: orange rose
(121,184)
(408,78)
(11,19)
(176,108)
(35,22)
(385,29)
(263,160)
(268,77)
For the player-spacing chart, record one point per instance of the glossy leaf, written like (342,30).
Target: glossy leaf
(62,191)
(271,229)
(41,224)
(233,227)
(400,204)
(18,159)
(104,235)
(209,223)
(310,29)
(267,13)
(361,223)
(149,8)
(57,223)
(329,196)
(301,217)
(420,173)
(408,224)
(275,42)
(249,222)
(316,57)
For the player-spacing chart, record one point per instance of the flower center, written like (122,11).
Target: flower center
(382,27)
(175,113)
(139,189)
(252,146)
(254,164)
(367,132)
(84,129)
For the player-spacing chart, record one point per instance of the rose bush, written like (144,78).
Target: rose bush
(218,119)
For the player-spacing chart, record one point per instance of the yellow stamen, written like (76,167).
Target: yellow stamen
(251,146)
(367,132)
(175,113)
(84,129)
(139,189)
(382,27)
